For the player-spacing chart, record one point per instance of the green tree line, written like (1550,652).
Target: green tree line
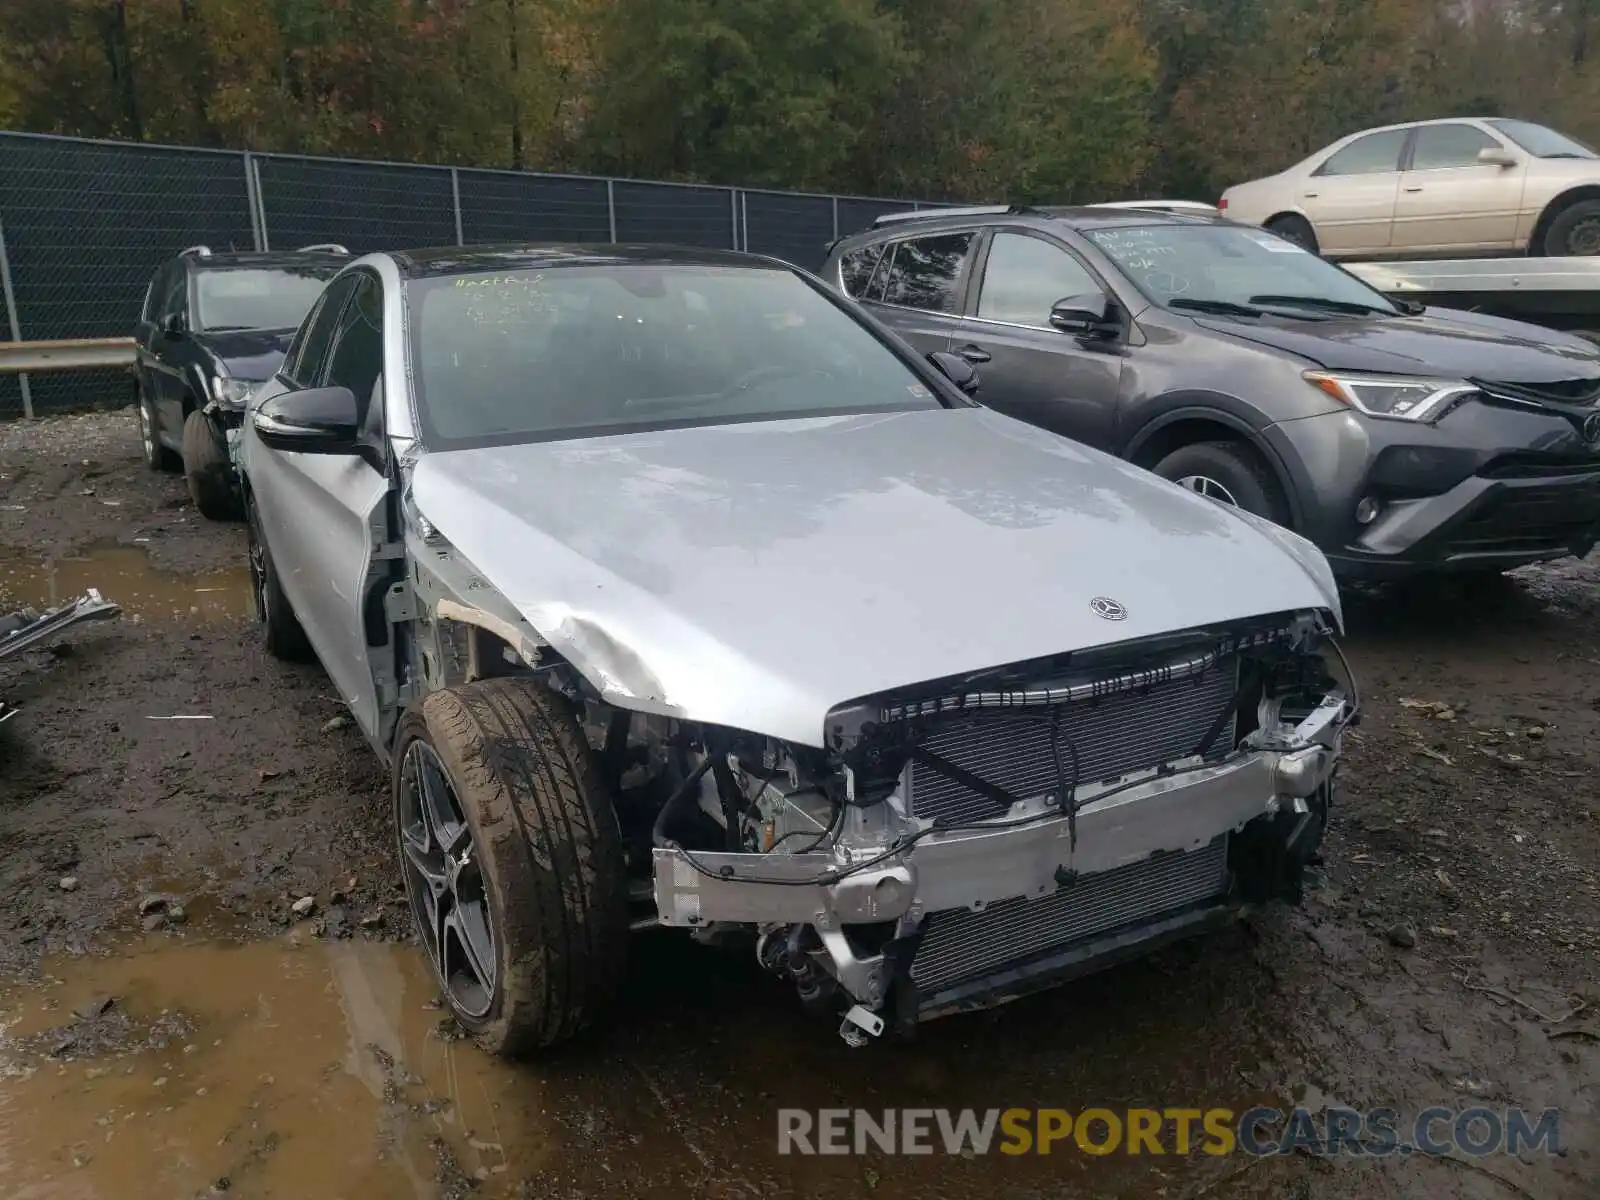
(1058,100)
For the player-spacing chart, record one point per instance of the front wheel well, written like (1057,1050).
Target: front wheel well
(1554,209)
(1192,431)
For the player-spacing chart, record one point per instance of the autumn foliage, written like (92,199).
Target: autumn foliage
(1025,99)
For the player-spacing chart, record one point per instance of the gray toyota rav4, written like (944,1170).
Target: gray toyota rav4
(1398,439)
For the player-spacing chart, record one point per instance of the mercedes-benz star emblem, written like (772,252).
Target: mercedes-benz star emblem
(1591,428)
(1105,606)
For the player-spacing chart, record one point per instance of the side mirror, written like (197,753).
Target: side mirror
(1087,315)
(312,421)
(173,325)
(1497,156)
(957,370)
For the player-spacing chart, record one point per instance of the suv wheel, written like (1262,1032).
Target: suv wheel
(156,456)
(283,634)
(207,470)
(1230,472)
(513,861)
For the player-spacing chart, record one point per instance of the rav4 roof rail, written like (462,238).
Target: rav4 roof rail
(197,251)
(929,214)
(327,247)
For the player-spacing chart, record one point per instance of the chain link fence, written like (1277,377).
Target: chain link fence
(84,225)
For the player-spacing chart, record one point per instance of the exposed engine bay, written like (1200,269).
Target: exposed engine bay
(960,843)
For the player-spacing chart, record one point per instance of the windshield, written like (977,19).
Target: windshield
(1194,267)
(1542,142)
(257,297)
(571,351)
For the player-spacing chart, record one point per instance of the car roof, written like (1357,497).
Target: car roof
(224,259)
(1081,218)
(466,260)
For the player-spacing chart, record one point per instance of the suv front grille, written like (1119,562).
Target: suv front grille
(1531,519)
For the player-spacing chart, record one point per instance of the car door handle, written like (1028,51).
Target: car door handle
(973,354)
(1418,188)
(1311,195)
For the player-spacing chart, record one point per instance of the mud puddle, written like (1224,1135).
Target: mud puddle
(124,575)
(276,1069)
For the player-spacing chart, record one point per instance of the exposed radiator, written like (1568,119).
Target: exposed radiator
(958,945)
(1121,733)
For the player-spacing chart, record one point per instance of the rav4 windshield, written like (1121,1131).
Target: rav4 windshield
(1209,266)
(257,297)
(573,351)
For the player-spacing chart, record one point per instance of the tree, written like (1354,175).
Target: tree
(760,91)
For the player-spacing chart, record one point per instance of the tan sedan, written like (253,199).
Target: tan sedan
(1456,188)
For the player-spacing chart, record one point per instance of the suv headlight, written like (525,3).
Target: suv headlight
(231,393)
(1396,397)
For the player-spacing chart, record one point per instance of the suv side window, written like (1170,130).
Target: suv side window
(174,292)
(925,271)
(154,294)
(1448,146)
(1370,155)
(356,359)
(855,269)
(1024,277)
(309,354)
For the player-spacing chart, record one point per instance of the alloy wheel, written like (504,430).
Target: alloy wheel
(257,555)
(445,883)
(1206,486)
(147,433)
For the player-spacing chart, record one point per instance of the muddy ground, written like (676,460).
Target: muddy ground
(217,1043)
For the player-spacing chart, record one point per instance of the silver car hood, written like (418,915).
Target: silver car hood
(757,575)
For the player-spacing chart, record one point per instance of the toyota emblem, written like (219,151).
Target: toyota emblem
(1591,429)
(1105,606)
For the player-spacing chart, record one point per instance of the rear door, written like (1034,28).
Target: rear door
(324,514)
(1027,368)
(1351,196)
(916,285)
(1449,200)
(170,353)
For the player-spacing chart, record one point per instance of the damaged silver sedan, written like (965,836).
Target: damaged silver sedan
(677,593)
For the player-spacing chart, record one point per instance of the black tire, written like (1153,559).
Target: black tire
(546,840)
(156,456)
(282,634)
(208,471)
(1245,478)
(1295,229)
(1574,231)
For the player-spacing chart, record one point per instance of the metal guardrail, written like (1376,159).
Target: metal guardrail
(70,354)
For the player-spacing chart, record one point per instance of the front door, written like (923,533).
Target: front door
(1449,201)
(323,514)
(1026,368)
(1350,198)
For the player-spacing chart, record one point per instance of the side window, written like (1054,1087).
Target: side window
(925,271)
(1448,146)
(153,296)
(855,269)
(309,354)
(1370,155)
(175,292)
(1025,276)
(357,357)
